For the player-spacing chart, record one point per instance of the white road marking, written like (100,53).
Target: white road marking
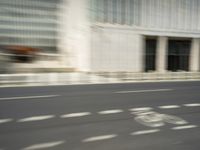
(173,119)
(141,109)
(142,91)
(80,114)
(5,120)
(184,127)
(113,111)
(150,120)
(98,138)
(192,105)
(43,145)
(168,106)
(27,97)
(36,118)
(145,132)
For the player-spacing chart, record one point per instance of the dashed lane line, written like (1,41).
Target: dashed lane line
(43,145)
(103,112)
(36,118)
(80,114)
(145,132)
(184,127)
(5,120)
(143,91)
(168,106)
(99,138)
(27,97)
(192,105)
(141,109)
(113,111)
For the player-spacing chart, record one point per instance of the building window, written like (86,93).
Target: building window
(150,54)
(115,11)
(178,55)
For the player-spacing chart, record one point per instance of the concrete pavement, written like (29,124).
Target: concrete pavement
(112,116)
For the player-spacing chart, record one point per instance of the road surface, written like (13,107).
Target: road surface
(131,116)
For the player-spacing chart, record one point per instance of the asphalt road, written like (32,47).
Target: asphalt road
(133,116)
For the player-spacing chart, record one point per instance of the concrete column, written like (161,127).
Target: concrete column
(161,54)
(74,35)
(62,43)
(194,62)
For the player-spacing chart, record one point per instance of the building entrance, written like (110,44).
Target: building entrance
(150,54)
(178,55)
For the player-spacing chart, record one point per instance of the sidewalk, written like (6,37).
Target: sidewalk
(35,79)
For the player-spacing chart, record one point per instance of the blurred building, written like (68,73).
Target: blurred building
(107,35)
(32,24)
(29,22)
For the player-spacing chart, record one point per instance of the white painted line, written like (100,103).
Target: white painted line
(141,109)
(79,114)
(27,97)
(43,145)
(36,118)
(192,105)
(145,132)
(173,119)
(142,91)
(184,127)
(168,106)
(98,138)
(113,111)
(5,120)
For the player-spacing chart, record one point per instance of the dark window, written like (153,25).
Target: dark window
(178,55)
(150,54)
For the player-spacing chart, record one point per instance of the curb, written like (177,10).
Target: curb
(77,78)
